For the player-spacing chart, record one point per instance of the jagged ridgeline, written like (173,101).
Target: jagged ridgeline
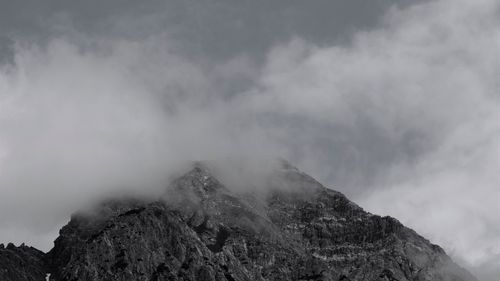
(201,230)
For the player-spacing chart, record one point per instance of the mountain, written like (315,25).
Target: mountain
(201,230)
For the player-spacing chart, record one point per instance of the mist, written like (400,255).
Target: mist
(402,117)
(78,124)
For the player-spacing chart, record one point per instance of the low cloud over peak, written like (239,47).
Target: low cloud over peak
(402,117)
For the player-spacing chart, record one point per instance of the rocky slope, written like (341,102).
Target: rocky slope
(200,230)
(21,263)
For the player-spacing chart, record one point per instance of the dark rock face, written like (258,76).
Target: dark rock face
(202,231)
(21,263)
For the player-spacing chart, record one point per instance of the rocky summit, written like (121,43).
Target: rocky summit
(202,230)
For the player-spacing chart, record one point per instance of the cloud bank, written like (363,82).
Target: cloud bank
(77,124)
(404,119)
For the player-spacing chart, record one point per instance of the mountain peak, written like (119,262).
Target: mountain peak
(198,184)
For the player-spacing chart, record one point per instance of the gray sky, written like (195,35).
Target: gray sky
(209,29)
(394,103)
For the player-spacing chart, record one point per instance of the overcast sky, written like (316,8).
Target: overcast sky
(395,103)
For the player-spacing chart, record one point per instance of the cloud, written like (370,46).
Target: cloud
(79,123)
